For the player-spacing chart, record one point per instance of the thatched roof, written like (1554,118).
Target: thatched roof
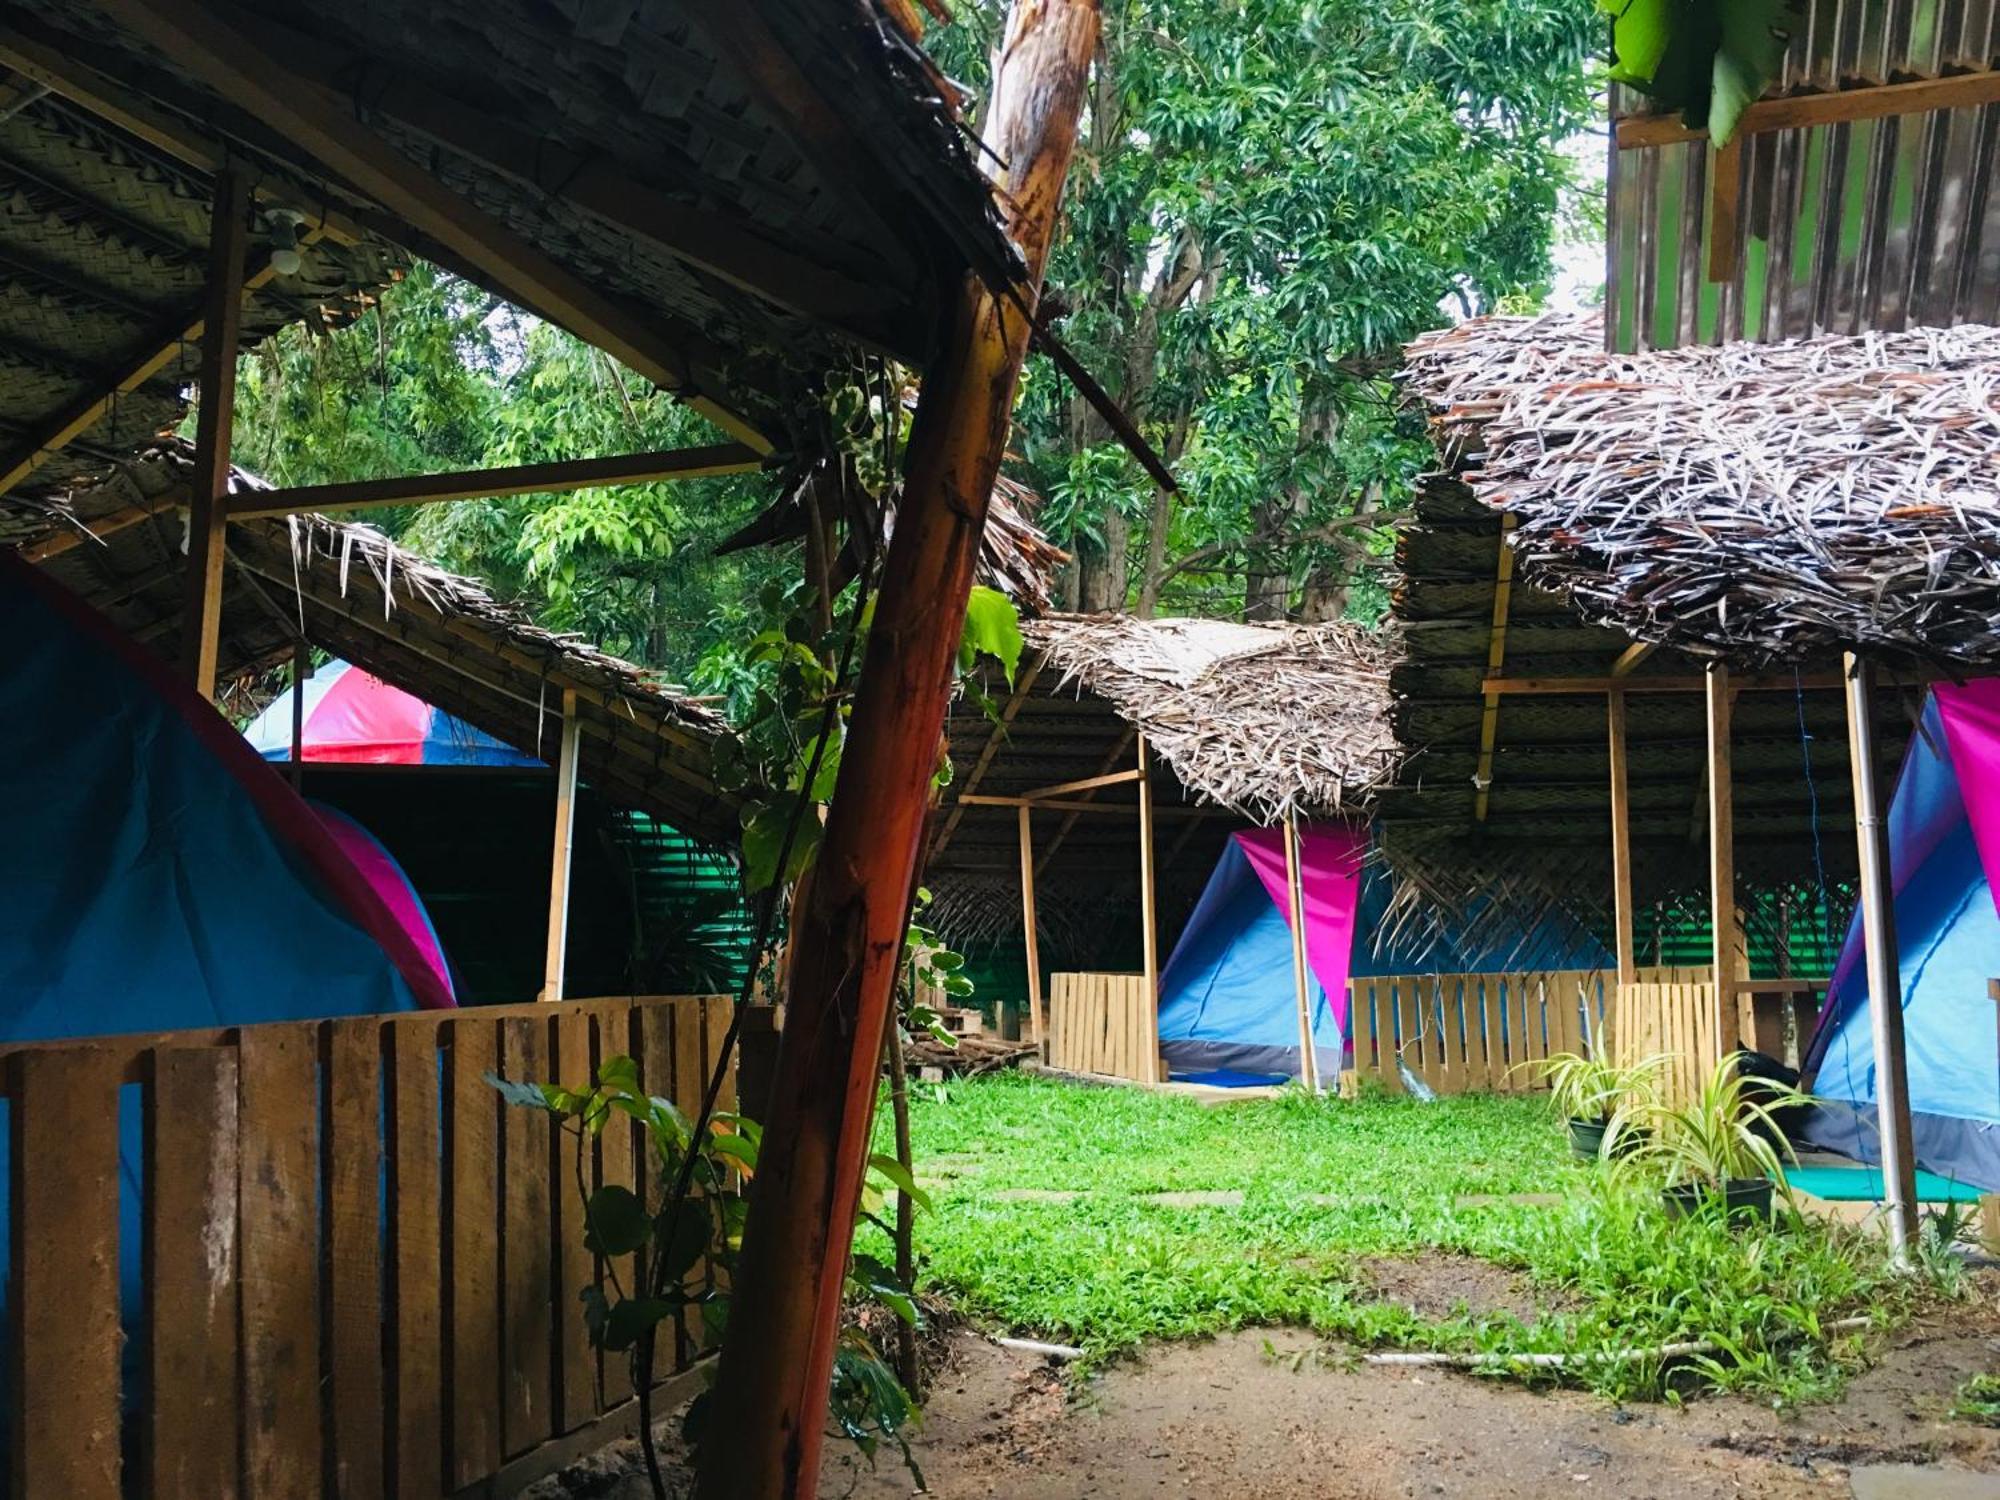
(355,593)
(1241,721)
(1261,719)
(1765,503)
(745,195)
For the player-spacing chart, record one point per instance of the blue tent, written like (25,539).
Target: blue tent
(1228,1001)
(155,873)
(1948,949)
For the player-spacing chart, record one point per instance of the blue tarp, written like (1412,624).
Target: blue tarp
(1948,942)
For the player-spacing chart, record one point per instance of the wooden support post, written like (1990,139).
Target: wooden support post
(208,487)
(1030,942)
(768,1413)
(1885,980)
(1621,844)
(1496,658)
(1149,927)
(1301,988)
(559,863)
(1728,952)
(301,673)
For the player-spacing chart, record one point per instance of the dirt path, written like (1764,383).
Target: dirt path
(1247,1418)
(1225,1419)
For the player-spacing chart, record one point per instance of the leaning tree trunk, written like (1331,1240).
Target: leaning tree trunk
(763,1441)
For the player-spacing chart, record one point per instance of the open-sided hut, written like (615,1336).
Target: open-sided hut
(1669,617)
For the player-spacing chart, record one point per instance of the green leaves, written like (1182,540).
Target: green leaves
(992,628)
(765,826)
(1708,59)
(615,1222)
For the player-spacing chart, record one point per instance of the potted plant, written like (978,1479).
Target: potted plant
(1595,1094)
(1722,1145)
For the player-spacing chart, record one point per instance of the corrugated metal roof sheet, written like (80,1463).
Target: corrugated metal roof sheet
(1877,223)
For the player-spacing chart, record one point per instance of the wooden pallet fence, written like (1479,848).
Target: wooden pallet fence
(1106,1024)
(358,1269)
(1464,1032)
(1676,1019)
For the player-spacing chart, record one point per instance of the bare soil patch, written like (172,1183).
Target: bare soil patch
(1439,1285)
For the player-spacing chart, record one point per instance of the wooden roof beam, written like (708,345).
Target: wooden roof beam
(196,39)
(520,479)
(1496,656)
(1631,656)
(1022,685)
(1576,687)
(708,239)
(1830,107)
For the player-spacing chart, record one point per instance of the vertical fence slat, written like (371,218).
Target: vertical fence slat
(614,1166)
(353,1167)
(576,1361)
(64,1155)
(527,1276)
(416,1313)
(191,1419)
(689,1080)
(472,1284)
(1492,1062)
(716,1013)
(278,1208)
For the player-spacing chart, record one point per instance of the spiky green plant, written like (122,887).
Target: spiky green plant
(1596,1088)
(1727,1131)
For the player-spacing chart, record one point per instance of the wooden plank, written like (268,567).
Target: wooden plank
(1295,922)
(527,1271)
(1147,1060)
(576,1361)
(559,477)
(208,486)
(716,1011)
(1621,841)
(1496,657)
(352,1163)
(472,1246)
(325,124)
(1581,687)
(1830,107)
(688,1082)
(415,1321)
(1492,1057)
(1725,202)
(615,1167)
(1088,783)
(1728,951)
(192,1433)
(557,931)
(1030,669)
(1029,935)
(64,1223)
(278,1190)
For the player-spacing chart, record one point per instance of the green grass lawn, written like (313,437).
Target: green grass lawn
(1328,1184)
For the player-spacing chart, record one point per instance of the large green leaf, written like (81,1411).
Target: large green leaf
(615,1221)
(993,628)
(1752,48)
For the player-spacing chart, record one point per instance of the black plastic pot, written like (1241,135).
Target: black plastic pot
(1745,1200)
(1586,1137)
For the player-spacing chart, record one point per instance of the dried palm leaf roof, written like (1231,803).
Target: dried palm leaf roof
(1243,722)
(351,591)
(1263,719)
(1760,502)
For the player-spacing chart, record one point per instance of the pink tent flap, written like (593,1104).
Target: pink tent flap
(1971,714)
(1330,858)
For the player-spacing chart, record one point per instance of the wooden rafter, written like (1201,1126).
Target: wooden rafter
(521,479)
(708,239)
(154,353)
(1086,784)
(1833,107)
(1558,687)
(1631,657)
(192,36)
(1118,753)
(215,420)
(92,530)
(1496,657)
(1022,685)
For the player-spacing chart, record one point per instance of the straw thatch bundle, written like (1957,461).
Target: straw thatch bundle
(1762,502)
(1263,719)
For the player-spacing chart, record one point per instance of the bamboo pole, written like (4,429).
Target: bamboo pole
(1727,947)
(1301,989)
(1030,938)
(208,486)
(769,1405)
(1149,927)
(1621,843)
(1885,980)
(559,861)
(301,671)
